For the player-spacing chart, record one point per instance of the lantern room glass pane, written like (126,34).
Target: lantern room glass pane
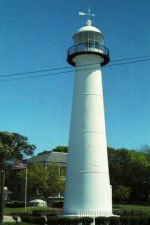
(89,37)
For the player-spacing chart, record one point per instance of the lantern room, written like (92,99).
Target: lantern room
(89,34)
(88,40)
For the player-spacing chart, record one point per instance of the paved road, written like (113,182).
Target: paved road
(9,219)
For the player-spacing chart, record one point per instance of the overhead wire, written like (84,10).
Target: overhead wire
(60,70)
(136,61)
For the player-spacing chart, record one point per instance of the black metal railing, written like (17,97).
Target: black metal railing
(89,47)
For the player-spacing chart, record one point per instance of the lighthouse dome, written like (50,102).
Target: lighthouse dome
(89,27)
(89,34)
(88,40)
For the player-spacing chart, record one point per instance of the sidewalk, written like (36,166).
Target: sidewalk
(10,219)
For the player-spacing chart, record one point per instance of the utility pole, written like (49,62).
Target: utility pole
(6,153)
(2,196)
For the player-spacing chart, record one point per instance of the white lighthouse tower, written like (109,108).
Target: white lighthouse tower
(88,191)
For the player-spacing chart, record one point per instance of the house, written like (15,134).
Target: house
(48,157)
(45,158)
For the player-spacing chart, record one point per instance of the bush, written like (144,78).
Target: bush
(25,219)
(148,218)
(40,212)
(15,204)
(57,204)
(33,219)
(52,221)
(135,220)
(86,220)
(74,221)
(64,220)
(125,220)
(114,220)
(8,223)
(144,220)
(101,220)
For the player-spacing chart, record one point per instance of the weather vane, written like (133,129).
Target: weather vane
(86,14)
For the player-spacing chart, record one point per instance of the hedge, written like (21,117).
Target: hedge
(122,220)
(52,220)
(101,220)
(144,220)
(14,223)
(114,220)
(64,220)
(33,219)
(56,221)
(125,220)
(15,204)
(134,220)
(86,220)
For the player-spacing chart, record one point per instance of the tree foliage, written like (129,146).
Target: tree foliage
(46,180)
(130,168)
(61,149)
(122,193)
(13,146)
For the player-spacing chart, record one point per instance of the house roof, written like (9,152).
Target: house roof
(50,157)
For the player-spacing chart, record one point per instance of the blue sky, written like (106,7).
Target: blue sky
(35,36)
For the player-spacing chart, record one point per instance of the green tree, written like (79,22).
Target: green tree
(139,178)
(60,149)
(130,168)
(12,146)
(47,180)
(122,193)
(118,166)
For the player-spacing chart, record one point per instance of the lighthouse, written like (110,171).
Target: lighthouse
(88,191)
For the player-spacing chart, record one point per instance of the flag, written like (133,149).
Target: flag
(20,164)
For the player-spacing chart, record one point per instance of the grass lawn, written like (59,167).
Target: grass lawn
(144,208)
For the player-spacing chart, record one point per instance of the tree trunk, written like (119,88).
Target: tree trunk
(2,196)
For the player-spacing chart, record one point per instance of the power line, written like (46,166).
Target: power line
(62,68)
(136,61)
(41,75)
(35,71)
(132,58)
(69,71)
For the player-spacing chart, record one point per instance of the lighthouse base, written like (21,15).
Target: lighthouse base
(93,214)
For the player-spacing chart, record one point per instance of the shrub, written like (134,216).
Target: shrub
(41,212)
(25,218)
(33,219)
(148,218)
(14,223)
(101,220)
(52,221)
(114,220)
(57,204)
(74,221)
(86,220)
(144,220)
(64,220)
(15,204)
(125,220)
(135,220)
